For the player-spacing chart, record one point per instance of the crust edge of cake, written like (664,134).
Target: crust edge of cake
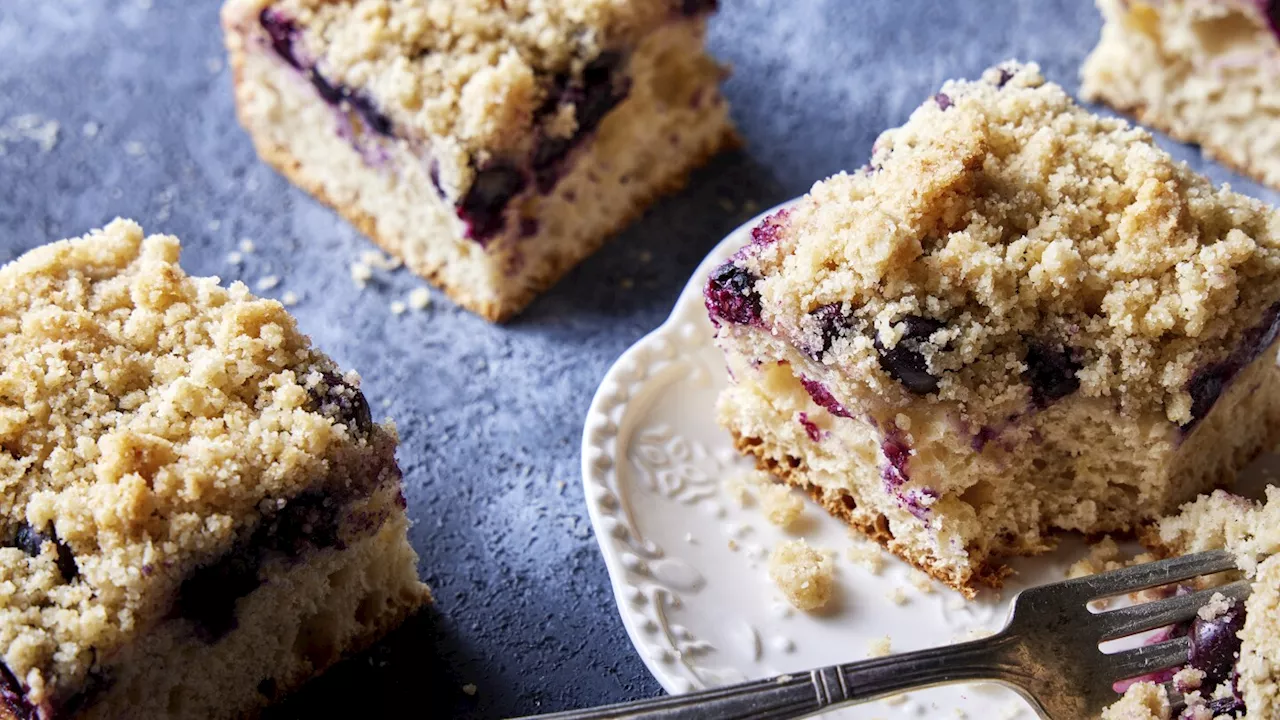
(873,525)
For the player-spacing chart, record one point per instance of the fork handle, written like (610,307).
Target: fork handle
(799,694)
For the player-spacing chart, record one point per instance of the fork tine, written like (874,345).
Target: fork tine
(1149,575)
(1147,659)
(1136,618)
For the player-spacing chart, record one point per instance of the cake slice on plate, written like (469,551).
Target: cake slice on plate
(1204,72)
(1020,317)
(199,512)
(489,144)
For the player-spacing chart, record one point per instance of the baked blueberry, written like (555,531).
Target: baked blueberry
(1051,373)
(731,295)
(905,362)
(484,204)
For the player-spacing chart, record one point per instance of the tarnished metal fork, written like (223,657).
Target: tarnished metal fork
(1048,652)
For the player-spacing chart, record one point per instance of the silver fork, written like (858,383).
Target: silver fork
(1048,652)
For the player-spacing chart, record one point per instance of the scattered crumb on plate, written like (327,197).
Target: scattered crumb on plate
(781,506)
(419,298)
(866,554)
(803,574)
(879,647)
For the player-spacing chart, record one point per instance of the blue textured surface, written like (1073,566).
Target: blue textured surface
(490,416)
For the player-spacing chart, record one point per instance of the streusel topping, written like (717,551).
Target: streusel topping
(474,71)
(1021,248)
(147,419)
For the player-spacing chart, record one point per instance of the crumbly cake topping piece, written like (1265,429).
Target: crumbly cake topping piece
(147,420)
(1006,248)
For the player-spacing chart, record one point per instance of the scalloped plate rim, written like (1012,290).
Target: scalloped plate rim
(679,310)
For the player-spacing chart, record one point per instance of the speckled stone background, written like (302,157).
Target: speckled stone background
(490,416)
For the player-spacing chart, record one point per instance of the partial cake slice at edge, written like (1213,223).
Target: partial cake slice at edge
(530,228)
(1199,71)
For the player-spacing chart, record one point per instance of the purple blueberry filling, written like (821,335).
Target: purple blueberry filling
(208,597)
(482,208)
(810,427)
(693,8)
(1208,382)
(13,696)
(943,100)
(904,362)
(29,540)
(832,323)
(898,454)
(897,451)
(1051,373)
(349,408)
(730,296)
(601,89)
(985,434)
(1215,645)
(767,232)
(918,501)
(283,33)
(1271,9)
(824,398)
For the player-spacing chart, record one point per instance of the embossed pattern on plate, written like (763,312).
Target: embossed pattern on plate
(688,564)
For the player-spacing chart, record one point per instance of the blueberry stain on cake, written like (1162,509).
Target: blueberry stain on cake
(209,595)
(824,399)
(1051,373)
(1208,383)
(483,207)
(283,35)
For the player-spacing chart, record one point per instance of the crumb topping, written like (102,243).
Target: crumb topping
(1006,248)
(803,574)
(147,420)
(475,73)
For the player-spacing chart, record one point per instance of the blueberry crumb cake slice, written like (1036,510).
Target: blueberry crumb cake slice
(1234,666)
(1202,70)
(198,511)
(489,144)
(1020,317)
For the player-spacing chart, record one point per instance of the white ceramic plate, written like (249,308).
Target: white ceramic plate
(688,564)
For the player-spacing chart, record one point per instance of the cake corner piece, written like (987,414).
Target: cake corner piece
(490,163)
(1003,327)
(1198,71)
(202,513)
